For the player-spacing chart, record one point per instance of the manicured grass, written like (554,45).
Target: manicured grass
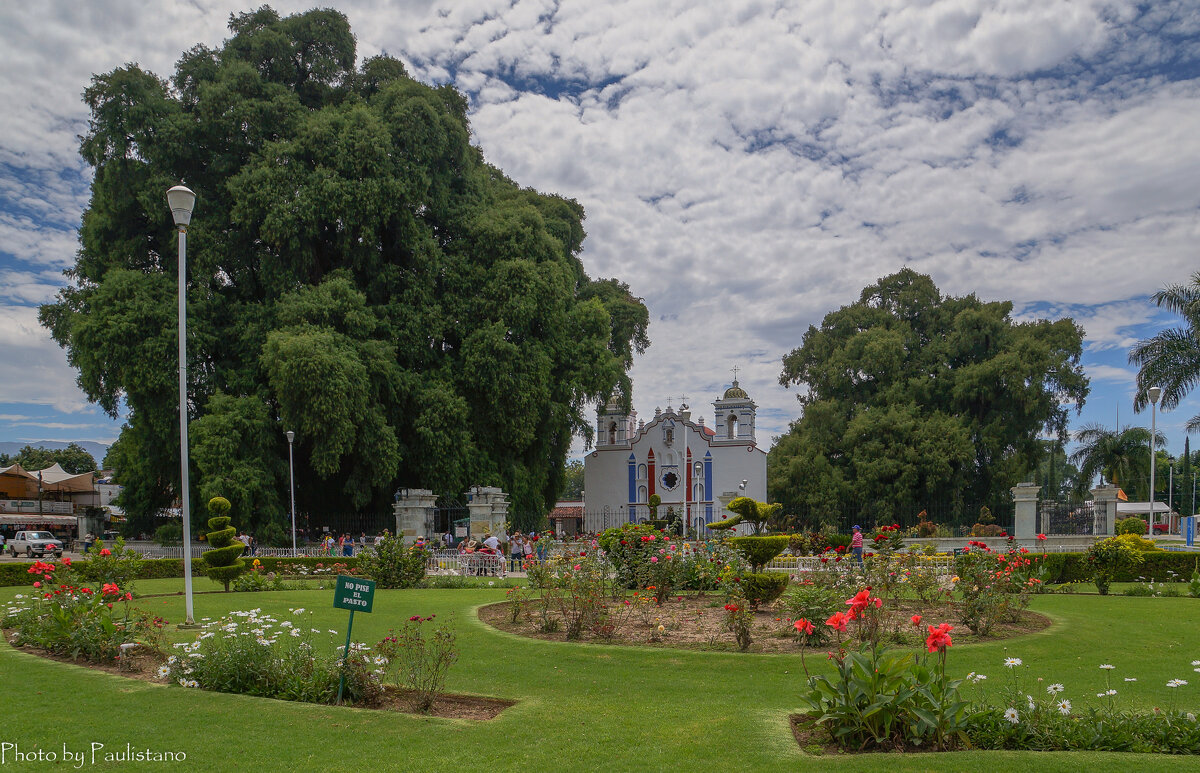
(581,707)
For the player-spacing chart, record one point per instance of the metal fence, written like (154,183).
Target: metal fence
(1070,518)
(468,564)
(950,519)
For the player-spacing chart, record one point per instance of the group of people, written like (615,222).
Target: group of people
(346,545)
(518,548)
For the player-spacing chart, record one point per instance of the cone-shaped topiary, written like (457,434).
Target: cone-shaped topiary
(224,560)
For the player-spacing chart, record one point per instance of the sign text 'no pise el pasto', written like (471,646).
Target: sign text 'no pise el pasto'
(354,593)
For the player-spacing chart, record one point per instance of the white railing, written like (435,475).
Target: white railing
(453,562)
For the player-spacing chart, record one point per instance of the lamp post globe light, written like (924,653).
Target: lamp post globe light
(292,484)
(1153,393)
(181,200)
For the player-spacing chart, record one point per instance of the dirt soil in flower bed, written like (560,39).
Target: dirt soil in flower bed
(697,622)
(814,739)
(450,705)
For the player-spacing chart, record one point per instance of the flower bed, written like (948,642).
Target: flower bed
(697,621)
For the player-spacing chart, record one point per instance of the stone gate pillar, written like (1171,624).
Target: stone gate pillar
(1025,498)
(489,510)
(1105,498)
(414,511)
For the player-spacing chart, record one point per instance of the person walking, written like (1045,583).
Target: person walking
(516,551)
(856,544)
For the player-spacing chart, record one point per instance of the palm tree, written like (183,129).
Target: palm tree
(1171,359)
(1120,456)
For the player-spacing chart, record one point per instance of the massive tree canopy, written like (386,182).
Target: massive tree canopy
(357,273)
(917,397)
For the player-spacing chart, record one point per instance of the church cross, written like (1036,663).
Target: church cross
(734,370)
(683,399)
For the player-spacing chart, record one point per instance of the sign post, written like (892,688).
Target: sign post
(357,595)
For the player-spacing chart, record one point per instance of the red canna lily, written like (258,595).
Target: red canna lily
(803,626)
(837,621)
(939,638)
(916,621)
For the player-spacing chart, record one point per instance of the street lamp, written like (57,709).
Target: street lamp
(292,484)
(181,201)
(1153,393)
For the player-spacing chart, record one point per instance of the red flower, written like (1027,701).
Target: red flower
(66,561)
(105,552)
(128,596)
(804,627)
(37,585)
(860,601)
(939,638)
(837,621)
(824,559)
(1041,536)
(916,621)
(110,589)
(731,608)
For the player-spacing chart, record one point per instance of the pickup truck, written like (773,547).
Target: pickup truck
(35,543)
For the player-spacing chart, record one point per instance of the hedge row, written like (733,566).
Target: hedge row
(17,573)
(1073,567)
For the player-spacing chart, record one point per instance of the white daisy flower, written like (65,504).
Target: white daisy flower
(164,672)
(1177,683)
(1194,662)
(1012,716)
(1064,707)
(1012,662)
(1131,679)
(1055,689)
(1108,667)
(1032,705)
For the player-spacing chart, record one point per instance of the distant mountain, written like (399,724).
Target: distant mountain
(97,450)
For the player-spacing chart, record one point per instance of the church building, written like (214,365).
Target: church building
(695,469)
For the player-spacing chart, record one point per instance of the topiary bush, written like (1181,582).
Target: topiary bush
(224,561)
(759,551)
(763,587)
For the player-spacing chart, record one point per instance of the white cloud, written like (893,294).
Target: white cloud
(36,370)
(746,166)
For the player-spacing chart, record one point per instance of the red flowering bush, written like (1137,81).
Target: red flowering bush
(66,616)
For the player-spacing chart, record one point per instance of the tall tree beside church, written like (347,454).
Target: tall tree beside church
(357,274)
(913,397)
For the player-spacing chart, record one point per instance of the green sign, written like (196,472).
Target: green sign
(354,593)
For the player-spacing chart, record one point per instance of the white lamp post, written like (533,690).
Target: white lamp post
(292,481)
(1153,393)
(181,201)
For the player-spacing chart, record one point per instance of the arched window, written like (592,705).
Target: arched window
(642,494)
(732,427)
(612,433)
(641,472)
(698,492)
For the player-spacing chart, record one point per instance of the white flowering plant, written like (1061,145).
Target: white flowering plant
(252,653)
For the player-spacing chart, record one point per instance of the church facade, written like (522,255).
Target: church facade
(695,469)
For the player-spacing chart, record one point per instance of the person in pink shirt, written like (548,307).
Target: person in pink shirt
(856,544)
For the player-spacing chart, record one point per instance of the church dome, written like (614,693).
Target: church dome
(735,391)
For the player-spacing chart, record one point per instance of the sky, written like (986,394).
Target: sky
(746,167)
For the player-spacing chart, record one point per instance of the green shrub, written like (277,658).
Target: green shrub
(1131,525)
(813,602)
(1109,557)
(763,587)
(759,551)
(224,561)
(392,564)
(1137,542)
(14,574)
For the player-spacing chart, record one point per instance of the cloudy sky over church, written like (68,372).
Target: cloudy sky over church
(746,167)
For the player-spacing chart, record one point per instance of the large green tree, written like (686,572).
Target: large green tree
(913,397)
(357,274)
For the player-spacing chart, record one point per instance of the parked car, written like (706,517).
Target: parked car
(1162,528)
(35,543)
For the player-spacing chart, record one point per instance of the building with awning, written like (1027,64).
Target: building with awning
(43,498)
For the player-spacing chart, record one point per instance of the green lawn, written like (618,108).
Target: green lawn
(581,707)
